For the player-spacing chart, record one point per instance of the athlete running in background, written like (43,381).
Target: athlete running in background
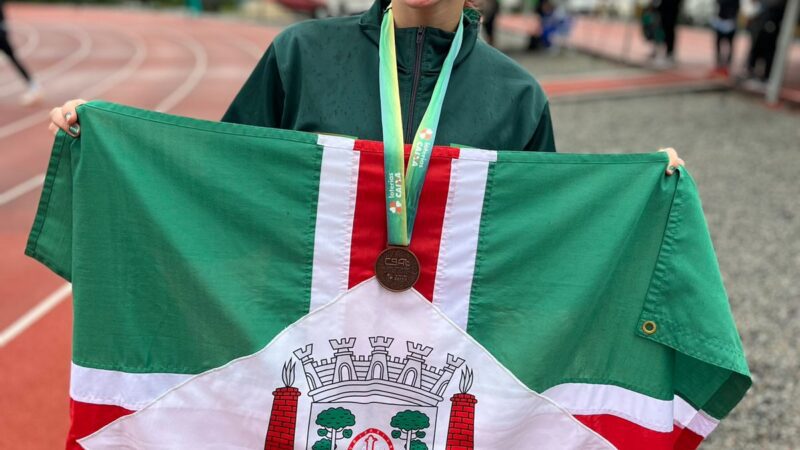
(33,94)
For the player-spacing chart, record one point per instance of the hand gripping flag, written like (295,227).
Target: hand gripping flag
(224,295)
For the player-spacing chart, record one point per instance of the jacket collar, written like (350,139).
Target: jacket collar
(370,23)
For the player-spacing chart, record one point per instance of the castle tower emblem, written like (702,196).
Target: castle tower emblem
(378,400)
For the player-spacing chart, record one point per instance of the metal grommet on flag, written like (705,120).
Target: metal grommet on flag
(649,327)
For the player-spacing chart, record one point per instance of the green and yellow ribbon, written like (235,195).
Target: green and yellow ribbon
(403,190)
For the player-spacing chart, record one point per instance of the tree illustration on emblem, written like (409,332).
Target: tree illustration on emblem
(334,423)
(322,444)
(409,425)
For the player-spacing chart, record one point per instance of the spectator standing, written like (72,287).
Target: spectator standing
(651,28)
(764,28)
(724,24)
(668,18)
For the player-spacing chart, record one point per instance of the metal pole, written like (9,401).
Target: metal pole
(782,52)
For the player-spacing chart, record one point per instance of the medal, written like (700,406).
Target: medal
(397,269)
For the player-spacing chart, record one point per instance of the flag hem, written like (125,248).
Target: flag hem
(32,247)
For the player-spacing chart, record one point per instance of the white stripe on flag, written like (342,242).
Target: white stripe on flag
(129,390)
(133,391)
(697,421)
(645,411)
(477,154)
(459,243)
(338,182)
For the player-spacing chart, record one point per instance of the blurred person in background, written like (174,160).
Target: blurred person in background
(724,24)
(489,10)
(764,27)
(309,80)
(556,24)
(668,11)
(651,28)
(33,94)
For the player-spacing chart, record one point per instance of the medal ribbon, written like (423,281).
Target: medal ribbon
(403,190)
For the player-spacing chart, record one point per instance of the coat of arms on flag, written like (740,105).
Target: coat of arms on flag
(224,295)
(361,391)
(349,387)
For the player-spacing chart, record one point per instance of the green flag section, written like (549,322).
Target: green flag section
(590,279)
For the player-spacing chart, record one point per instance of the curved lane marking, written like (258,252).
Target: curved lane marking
(140,53)
(83,51)
(32,42)
(133,64)
(197,73)
(37,117)
(248,47)
(63,292)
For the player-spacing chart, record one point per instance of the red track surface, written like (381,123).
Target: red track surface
(192,67)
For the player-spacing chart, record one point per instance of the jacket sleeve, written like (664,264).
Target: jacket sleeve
(543,139)
(261,99)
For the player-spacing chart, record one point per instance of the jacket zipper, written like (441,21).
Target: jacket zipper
(417,76)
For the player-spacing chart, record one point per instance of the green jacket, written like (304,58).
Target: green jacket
(322,76)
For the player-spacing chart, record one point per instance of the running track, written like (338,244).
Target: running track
(176,64)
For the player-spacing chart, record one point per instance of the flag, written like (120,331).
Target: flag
(223,280)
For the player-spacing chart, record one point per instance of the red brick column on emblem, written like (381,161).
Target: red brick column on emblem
(282,420)
(461,431)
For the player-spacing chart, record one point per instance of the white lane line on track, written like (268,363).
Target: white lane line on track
(247,47)
(140,53)
(23,124)
(130,67)
(197,73)
(21,189)
(31,43)
(34,314)
(65,64)
(52,300)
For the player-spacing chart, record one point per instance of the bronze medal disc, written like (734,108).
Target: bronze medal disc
(397,269)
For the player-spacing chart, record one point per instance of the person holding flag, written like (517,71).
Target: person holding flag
(413,72)
(320,76)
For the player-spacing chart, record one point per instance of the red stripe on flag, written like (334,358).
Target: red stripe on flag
(86,418)
(626,435)
(369,222)
(687,440)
